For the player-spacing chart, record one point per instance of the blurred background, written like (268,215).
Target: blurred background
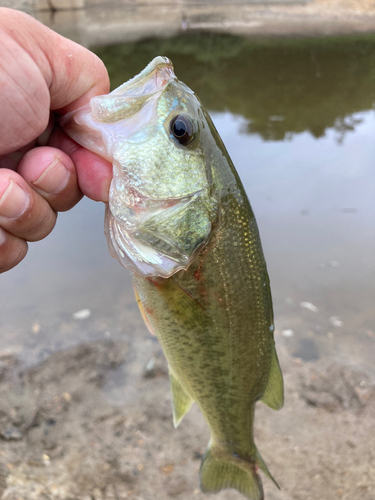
(85,408)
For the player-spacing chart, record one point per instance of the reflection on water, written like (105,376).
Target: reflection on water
(281,87)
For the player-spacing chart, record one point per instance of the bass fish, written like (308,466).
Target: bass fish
(179,219)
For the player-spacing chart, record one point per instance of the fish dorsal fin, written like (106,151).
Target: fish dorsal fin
(181,400)
(273,396)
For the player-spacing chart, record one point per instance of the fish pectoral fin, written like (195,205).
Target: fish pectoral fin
(181,400)
(274,394)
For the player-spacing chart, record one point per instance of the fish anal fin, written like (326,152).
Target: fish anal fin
(263,467)
(273,395)
(181,400)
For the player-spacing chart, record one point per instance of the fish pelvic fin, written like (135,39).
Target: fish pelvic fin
(143,312)
(220,471)
(273,395)
(181,400)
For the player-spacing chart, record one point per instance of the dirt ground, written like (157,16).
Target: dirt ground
(73,428)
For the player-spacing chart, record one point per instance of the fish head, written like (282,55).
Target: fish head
(162,201)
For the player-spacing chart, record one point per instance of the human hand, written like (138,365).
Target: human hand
(42,170)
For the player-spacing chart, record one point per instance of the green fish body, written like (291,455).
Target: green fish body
(180,220)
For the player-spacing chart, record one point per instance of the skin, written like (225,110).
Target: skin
(42,171)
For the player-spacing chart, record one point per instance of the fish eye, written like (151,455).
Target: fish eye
(182,129)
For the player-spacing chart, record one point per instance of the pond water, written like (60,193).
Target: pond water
(297,118)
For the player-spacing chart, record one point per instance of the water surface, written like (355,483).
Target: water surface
(297,119)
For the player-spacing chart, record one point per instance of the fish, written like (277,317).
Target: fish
(179,219)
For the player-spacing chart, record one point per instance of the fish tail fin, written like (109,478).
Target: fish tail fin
(219,471)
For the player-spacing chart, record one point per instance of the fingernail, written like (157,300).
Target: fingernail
(14,201)
(3,236)
(54,179)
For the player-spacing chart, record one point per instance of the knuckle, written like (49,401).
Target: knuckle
(12,251)
(65,203)
(35,223)
(41,225)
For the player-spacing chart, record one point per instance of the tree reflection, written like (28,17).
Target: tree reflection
(281,87)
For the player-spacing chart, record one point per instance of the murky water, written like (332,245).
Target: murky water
(297,118)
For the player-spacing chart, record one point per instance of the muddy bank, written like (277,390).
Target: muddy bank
(66,433)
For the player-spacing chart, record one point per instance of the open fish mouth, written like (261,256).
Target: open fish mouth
(133,94)
(152,78)
(143,208)
(86,125)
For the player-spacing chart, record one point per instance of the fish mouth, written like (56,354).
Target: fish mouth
(134,94)
(155,76)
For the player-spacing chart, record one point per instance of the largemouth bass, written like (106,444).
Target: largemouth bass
(179,219)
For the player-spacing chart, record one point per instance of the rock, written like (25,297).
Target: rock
(288,333)
(309,306)
(156,366)
(82,314)
(11,434)
(335,387)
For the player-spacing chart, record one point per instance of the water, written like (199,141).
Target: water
(297,117)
